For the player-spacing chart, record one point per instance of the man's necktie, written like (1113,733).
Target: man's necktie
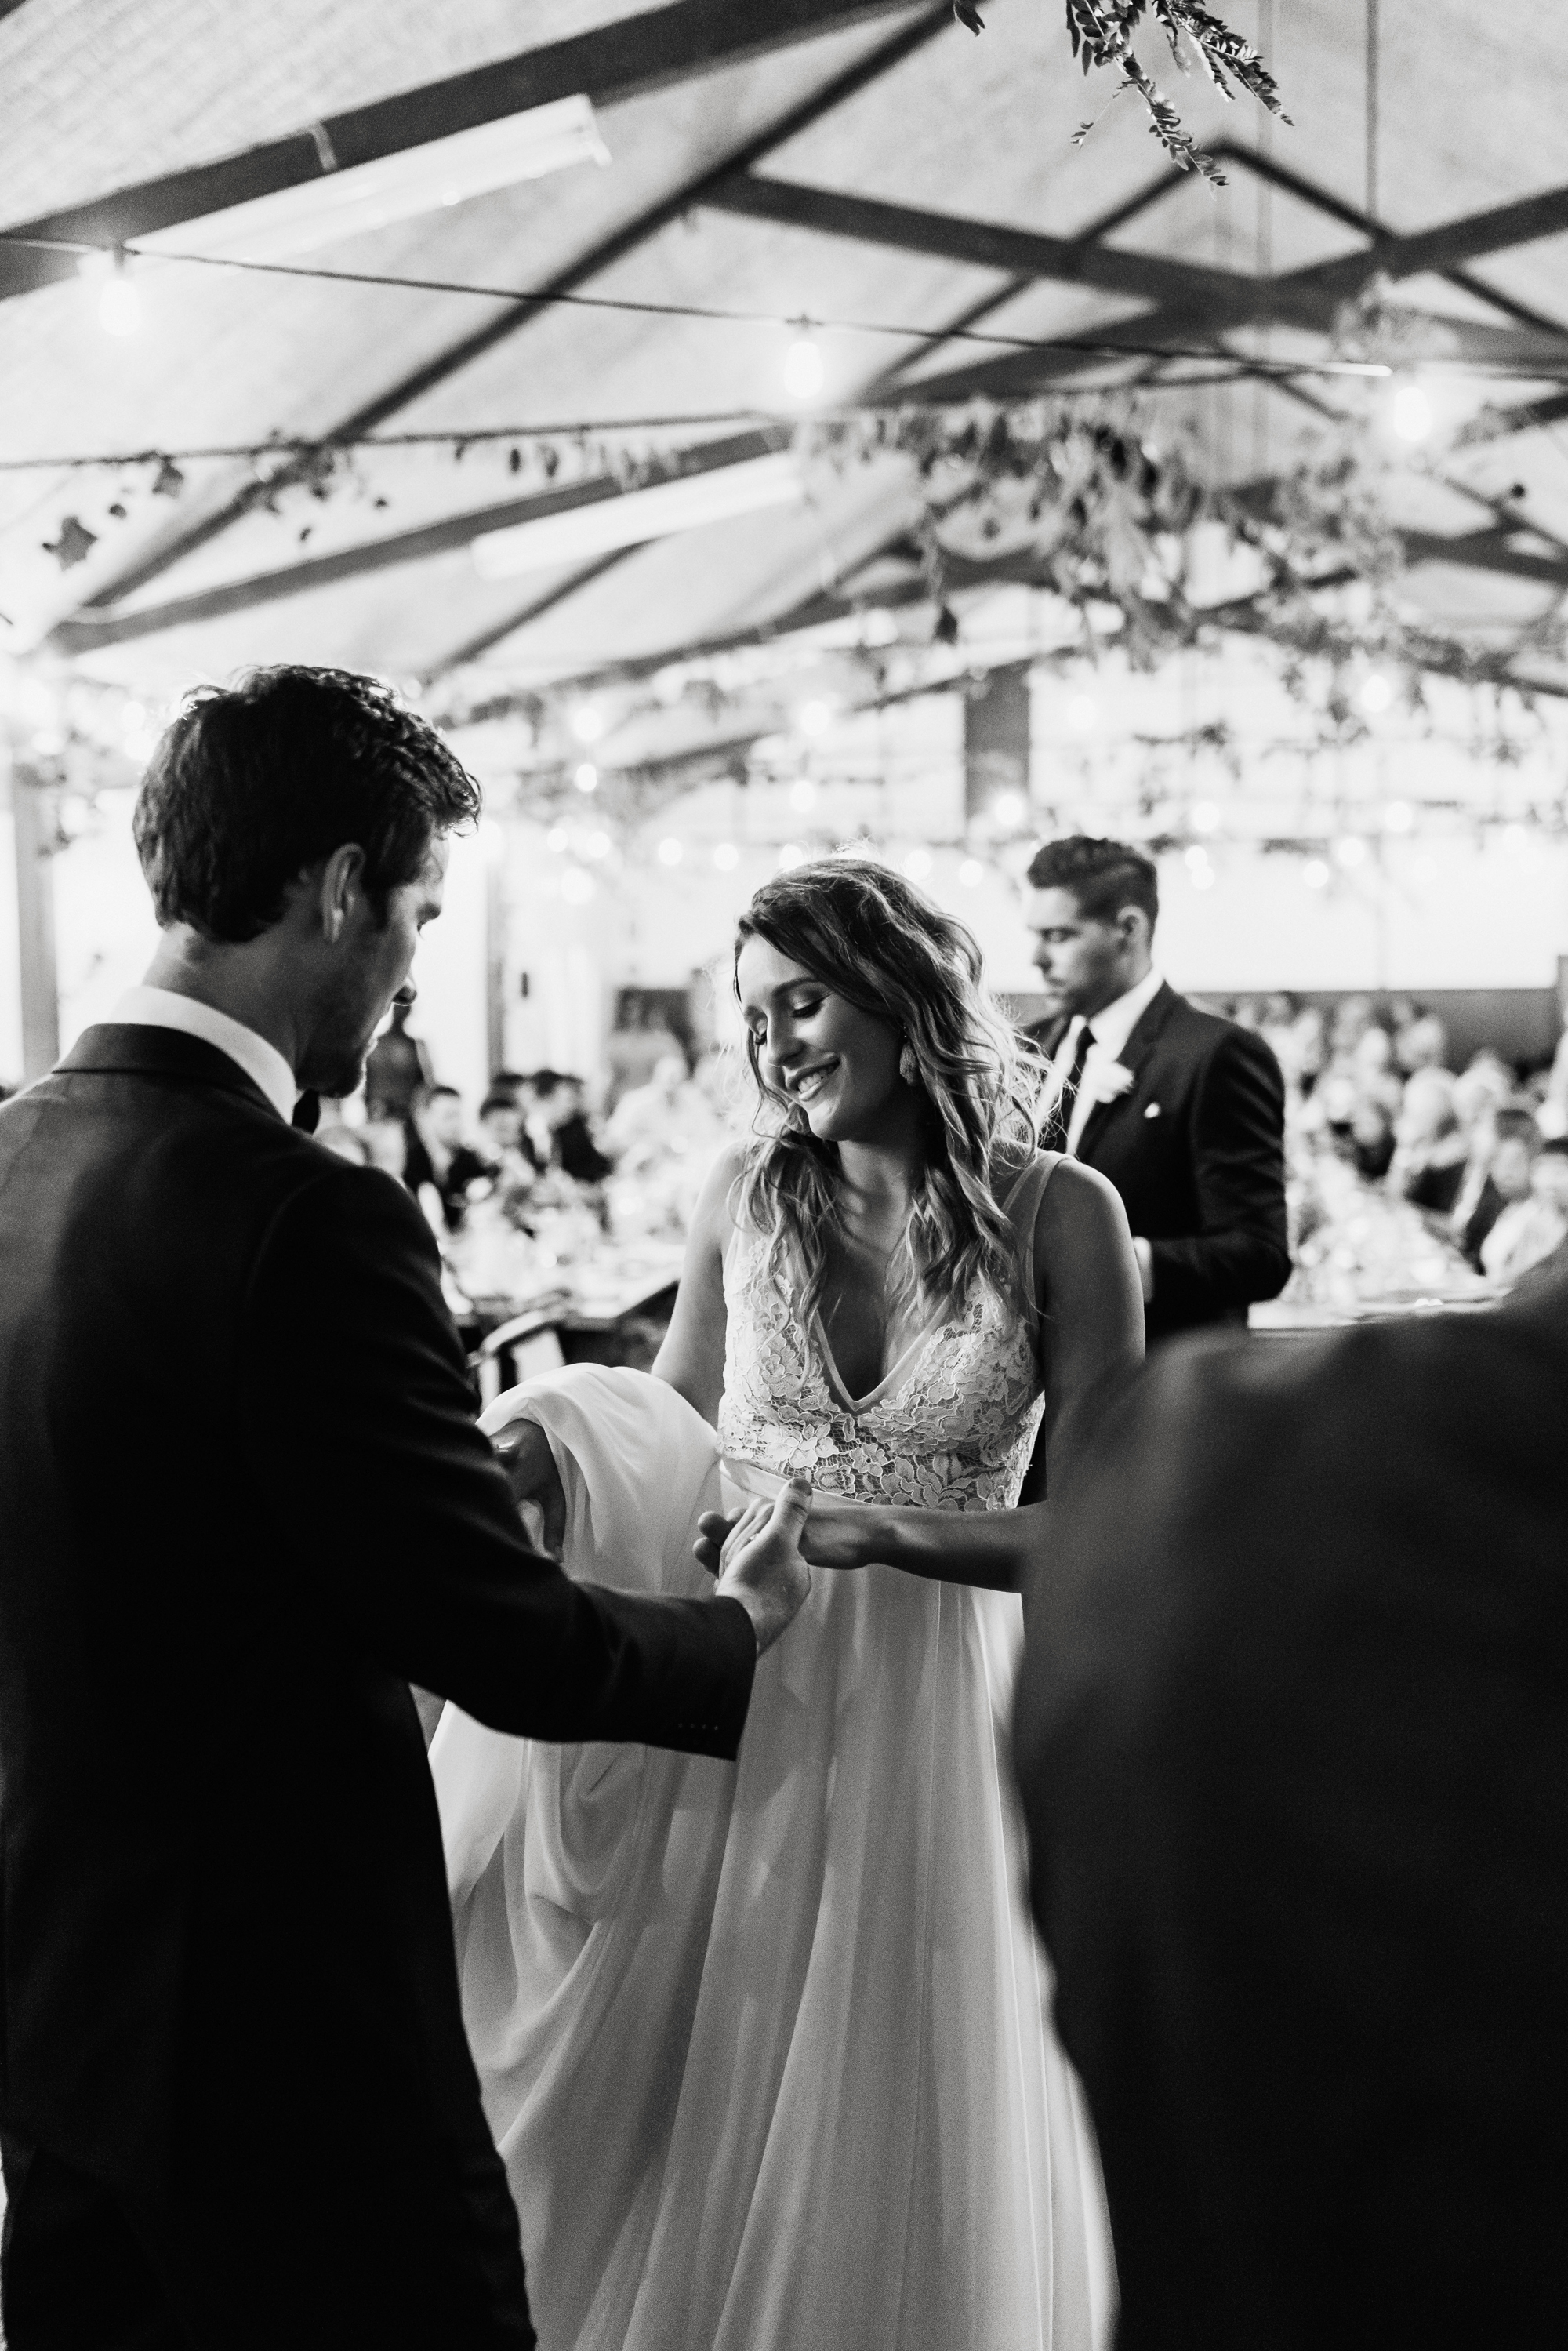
(1071,1083)
(307,1113)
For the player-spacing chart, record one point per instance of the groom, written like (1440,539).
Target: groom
(1185,1113)
(243,1504)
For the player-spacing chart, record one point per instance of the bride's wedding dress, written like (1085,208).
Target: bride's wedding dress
(763,2044)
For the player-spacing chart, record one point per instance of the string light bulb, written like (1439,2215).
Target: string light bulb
(804,373)
(1377,693)
(917,864)
(726,856)
(1410,417)
(814,717)
(1399,817)
(119,302)
(670,852)
(586,776)
(971,873)
(802,795)
(1010,807)
(588,723)
(1315,874)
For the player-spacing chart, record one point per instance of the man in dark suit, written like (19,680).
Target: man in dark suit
(1185,1113)
(243,1504)
(1292,1738)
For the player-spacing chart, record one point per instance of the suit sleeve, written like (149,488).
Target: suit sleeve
(359,1424)
(1241,1250)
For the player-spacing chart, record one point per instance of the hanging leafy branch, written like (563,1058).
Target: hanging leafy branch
(1102,34)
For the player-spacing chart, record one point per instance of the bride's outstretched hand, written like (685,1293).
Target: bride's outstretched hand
(838,1532)
(757,1558)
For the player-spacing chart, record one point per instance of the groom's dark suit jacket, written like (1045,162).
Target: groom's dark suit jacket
(1293,1739)
(1196,1151)
(243,1504)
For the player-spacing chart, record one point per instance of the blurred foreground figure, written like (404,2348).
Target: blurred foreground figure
(1292,1733)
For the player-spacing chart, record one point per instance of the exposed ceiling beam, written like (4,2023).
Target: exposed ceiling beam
(1329,283)
(806,16)
(487,639)
(90,632)
(1332,207)
(982,244)
(515,617)
(1485,550)
(626,60)
(1526,416)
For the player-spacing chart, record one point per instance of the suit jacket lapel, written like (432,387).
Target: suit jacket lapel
(1135,1053)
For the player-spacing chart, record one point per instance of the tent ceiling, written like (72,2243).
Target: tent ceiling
(97,103)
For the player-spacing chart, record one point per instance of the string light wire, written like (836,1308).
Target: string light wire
(707,314)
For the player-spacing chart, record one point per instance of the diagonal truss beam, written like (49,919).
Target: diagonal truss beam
(801,19)
(982,244)
(624,59)
(498,631)
(1322,200)
(90,633)
(1325,284)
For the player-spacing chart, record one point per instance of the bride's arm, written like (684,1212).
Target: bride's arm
(691,1359)
(1091,1305)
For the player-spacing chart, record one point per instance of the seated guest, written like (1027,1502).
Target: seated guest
(1371,1138)
(564,1122)
(668,1116)
(504,1146)
(438,1155)
(1531,1228)
(1421,1043)
(1429,1149)
(1503,1148)
(1293,1741)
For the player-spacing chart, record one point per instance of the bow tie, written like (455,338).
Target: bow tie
(307,1113)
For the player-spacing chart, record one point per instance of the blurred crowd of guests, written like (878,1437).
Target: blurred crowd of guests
(1405,1172)
(540,1175)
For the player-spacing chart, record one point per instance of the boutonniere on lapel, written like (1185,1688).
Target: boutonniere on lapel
(1107,1081)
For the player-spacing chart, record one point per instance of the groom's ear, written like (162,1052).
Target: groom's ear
(340,890)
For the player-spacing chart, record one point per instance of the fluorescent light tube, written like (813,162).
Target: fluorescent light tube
(397,187)
(627,517)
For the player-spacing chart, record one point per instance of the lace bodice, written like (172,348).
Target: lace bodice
(951,1427)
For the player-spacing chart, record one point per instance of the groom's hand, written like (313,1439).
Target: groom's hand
(759,1561)
(532,1473)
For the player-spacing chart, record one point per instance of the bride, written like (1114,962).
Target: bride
(766,2055)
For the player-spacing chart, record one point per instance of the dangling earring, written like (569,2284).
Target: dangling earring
(908,1067)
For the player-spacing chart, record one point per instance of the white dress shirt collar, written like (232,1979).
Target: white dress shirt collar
(1114,1023)
(160,1008)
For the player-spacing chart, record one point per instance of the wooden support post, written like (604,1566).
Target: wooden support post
(33,814)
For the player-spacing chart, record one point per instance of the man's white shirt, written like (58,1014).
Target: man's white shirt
(1113,1025)
(160,1008)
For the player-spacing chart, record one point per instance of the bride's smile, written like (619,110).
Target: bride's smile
(837,1061)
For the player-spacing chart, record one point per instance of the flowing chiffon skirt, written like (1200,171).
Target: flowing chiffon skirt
(765,2046)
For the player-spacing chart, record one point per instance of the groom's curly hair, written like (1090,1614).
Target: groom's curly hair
(253,783)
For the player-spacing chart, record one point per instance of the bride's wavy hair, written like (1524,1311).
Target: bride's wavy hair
(867,935)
